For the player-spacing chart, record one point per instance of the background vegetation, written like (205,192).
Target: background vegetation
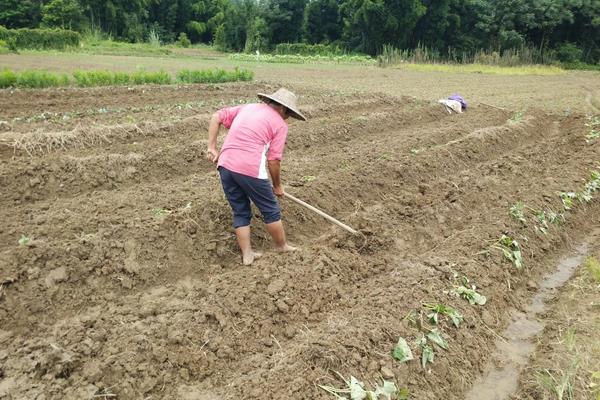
(457,30)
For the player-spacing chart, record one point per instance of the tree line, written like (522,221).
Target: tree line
(570,28)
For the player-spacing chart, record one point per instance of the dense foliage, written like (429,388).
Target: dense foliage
(568,29)
(25,38)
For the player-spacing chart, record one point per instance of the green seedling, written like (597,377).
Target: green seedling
(355,390)
(511,250)
(385,157)
(308,178)
(436,337)
(24,240)
(402,351)
(414,152)
(594,132)
(555,218)
(471,295)
(561,383)
(543,224)
(160,211)
(516,211)
(516,117)
(567,199)
(437,309)
(427,353)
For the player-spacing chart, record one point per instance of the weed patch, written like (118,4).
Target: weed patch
(216,75)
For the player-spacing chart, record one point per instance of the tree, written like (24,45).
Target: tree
(322,21)
(284,18)
(19,13)
(65,14)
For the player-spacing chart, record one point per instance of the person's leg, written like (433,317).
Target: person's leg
(242,235)
(261,193)
(242,214)
(277,232)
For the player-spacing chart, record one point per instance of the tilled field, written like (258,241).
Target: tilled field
(127,282)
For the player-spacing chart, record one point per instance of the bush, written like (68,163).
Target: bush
(304,49)
(39,38)
(569,53)
(7,78)
(183,40)
(214,76)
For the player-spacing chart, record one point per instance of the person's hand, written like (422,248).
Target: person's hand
(278,190)
(212,155)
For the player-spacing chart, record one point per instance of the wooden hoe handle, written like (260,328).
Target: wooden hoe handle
(321,213)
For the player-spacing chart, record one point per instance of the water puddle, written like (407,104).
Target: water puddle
(500,381)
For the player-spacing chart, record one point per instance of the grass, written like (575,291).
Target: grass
(216,75)
(45,79)
(32,79)
(110,78)
(485,69)
(592,265)
(299,59)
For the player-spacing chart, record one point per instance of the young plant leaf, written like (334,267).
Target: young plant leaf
(471,295)
(388,390)
(402,351)
(357,391)
(436,337)
(427,356)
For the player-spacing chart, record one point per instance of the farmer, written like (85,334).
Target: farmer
(253,145)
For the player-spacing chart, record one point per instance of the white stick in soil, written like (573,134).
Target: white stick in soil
(321,213)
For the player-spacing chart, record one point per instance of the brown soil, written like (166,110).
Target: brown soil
(566,361)
(115,295)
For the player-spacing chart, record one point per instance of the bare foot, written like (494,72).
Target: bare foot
(248,259)
(287,248)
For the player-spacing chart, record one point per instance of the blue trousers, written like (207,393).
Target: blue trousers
(240,189)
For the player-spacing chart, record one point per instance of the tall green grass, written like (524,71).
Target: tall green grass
(44,79)
(216,75)
(32,79)
(110,78)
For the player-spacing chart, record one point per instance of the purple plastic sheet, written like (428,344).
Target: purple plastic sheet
(460,99)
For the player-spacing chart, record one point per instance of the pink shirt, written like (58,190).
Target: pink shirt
(257,133)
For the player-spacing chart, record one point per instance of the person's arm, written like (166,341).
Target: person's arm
(274,159)
(275,171)
(212,154)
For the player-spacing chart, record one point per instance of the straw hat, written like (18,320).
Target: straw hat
(286,99)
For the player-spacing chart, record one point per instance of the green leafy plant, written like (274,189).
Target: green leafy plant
(436,337)
(555,218)
(516,211)
(308,178)
(516,117)
(158,211)
(567,199)
(24,240)
(593,122)
(511,250)
(437,309)
(402,351)
(471,295)
(427,353)
(540,215)
(355,390)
